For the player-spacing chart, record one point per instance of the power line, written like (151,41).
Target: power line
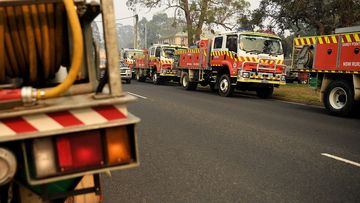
(99,21)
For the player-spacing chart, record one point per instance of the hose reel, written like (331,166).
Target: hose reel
(33,47)
(305,58)
(33,37)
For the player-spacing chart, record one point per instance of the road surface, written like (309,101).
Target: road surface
(196,146)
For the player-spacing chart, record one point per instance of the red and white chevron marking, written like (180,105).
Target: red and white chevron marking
(63,119)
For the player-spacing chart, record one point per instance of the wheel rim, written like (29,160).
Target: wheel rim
(224,85)
(184,81)
(338,98)
(155,77)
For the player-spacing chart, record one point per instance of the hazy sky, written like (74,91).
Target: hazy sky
(123,12)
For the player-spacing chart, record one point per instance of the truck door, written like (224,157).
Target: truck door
(232,48)
(217,51)
(157,60)
(151,57)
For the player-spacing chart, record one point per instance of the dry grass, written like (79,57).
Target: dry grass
(297,93)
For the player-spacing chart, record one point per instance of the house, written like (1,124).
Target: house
(180,38)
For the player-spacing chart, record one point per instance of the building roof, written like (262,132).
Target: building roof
(178,34)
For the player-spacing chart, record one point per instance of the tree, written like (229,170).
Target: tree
(323,16)
(125,36)
(199,13)
(160,25)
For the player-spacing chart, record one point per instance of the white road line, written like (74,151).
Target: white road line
(297,103)
(136,95)
(341,159)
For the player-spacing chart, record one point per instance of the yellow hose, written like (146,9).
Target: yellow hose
(76,58)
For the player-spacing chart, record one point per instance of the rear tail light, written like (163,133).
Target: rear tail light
(75,153)
(83,150)
(118,144)
(44,156)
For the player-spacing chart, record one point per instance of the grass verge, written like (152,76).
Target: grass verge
(297,93)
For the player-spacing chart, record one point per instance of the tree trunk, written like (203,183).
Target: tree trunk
(189,28)
(321,29)
(204,8)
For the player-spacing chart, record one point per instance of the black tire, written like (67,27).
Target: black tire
(225,87)
(186,84)
(156,79)
(128,81)
(265,92)
(133,76)
(339,98)
(140,78)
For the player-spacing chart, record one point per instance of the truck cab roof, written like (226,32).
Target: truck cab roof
(260,34)
(168,45)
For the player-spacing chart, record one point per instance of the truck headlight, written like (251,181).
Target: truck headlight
(245,75)
(164,71)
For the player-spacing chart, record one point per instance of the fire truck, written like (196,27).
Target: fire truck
(243,60)
(157,63)
(333,62)
(129,55)
(59,128)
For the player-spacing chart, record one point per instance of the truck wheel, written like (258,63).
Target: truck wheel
(156,79)
(339,98)
(225,87)
(128,81)
(265,92)
(137,76)
(186,84)
(140,78)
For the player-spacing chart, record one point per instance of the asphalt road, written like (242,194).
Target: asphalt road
(200,147)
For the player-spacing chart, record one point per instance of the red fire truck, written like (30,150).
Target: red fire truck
(157,63)
(128,55)
(244,60)
(55,129)
(333,62)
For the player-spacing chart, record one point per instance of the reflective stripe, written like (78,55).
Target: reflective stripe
(42,122)
(6,131)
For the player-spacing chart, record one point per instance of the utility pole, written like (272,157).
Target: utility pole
(145,45)
(136,31)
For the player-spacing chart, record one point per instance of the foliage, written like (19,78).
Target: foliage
(125,36)
(196,14)
(321,16)
(160,25)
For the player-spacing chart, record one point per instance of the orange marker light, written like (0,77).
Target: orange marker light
(118,145)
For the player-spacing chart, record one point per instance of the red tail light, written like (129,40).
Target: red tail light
(81,151)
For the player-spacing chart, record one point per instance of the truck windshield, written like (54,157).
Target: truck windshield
(169,52)
(132,54)
(258,45)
